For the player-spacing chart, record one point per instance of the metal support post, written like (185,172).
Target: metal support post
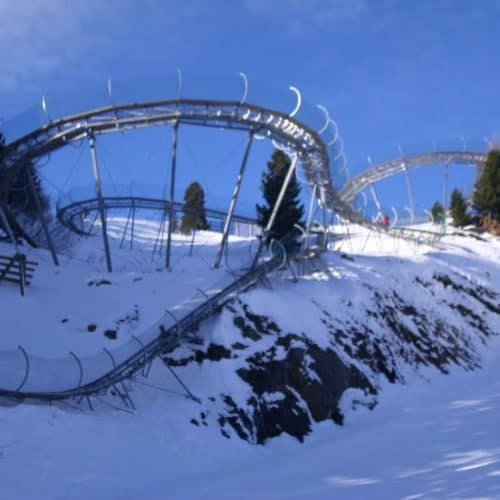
(410,195)
(281,195)
(323,208)
(445,188)
(234,199)
(133,226)
(126,227)
(375,199)
(310,212)
(277,205)
(172,193)
(98,190)
(39,210)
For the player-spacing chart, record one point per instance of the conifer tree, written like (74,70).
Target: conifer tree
(17,193)
(487,189)
(194,216)
(291,210)
(437,212)
(458,209)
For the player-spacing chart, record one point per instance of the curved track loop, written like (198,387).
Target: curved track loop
(277,126)
(283,129)
(69,214)
(280,127)
(357,183)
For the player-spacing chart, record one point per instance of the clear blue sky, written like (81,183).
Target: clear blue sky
(391,72)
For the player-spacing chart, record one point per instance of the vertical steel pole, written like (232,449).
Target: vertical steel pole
(98,191)
(445,188)
(172,193)
(277,205)
(281,195)
(323,208)
(410,195)
(133,224)
(310,212)
(39,210)
(375,199)
(234,199)
(126,227)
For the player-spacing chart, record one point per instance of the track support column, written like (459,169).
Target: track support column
(445,187)
(322,197)
(410,195)
(39,210)
(172,193)
(310,213)
(98,191)
(277,205)
(375,199)
(234,199)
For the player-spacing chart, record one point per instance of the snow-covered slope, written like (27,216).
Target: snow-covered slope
(396,342)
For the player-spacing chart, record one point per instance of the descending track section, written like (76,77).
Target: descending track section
(84,377)
(24,376)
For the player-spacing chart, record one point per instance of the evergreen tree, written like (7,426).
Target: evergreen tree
(291,210)
(487,189)
(16,191)
(193,216)
(458,209)
(437,212)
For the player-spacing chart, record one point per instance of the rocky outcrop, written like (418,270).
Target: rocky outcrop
(285,381)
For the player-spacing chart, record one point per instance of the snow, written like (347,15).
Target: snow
(78,293)
(436,436)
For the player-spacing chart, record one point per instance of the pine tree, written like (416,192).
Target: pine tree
(291,210)
(458,209)
(437,212)
(16,191)
(487,189)
(194,216)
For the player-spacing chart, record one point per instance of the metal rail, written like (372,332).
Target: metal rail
(286,131)
(68,214)
(275,125)
(281,128)
(165,341)
(403,163)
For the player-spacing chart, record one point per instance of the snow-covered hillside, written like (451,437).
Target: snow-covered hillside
(375,374)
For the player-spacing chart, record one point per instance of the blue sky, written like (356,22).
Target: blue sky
(391,72)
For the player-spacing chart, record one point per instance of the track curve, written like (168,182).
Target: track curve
(68,214)
(279,127)
(385,169)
